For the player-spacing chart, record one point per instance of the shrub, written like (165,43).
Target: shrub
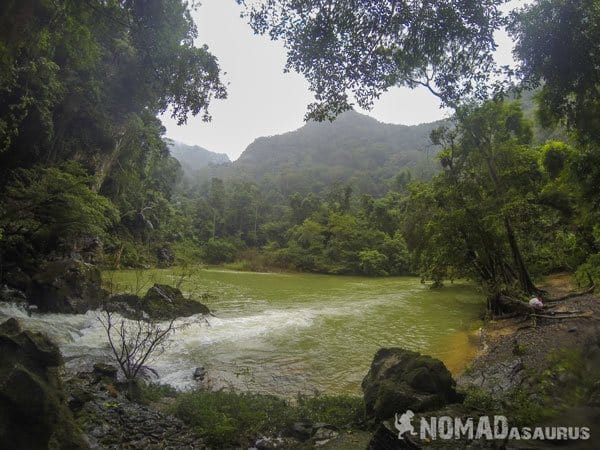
(134,342)
(342,411)
(228,419)
(153,392)
(591,268)
(372,262)
(251,260)
(219,251)
(46,205)
(187,251)
(555,155)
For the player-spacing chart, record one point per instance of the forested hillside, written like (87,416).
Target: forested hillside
(193,158)
(354,149)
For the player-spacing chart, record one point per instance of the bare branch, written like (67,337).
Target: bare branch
(134,342)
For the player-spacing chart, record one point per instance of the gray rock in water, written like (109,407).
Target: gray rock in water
(199,373)
(401,379)
(165,302)
(161,302)
(127,305)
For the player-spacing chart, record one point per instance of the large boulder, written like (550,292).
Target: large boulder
(161,302)
(67,286)
(33,412)
(401,379)
(164,301)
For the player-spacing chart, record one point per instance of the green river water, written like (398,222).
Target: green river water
(290,333)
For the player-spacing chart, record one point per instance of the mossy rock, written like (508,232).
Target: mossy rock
(67,286)
(401,379)
(167,302)
(161,302)
(33,412)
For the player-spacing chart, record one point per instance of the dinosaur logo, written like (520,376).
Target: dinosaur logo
(404,423)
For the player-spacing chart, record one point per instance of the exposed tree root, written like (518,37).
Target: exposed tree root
(557,317)
(589,290)
(512,307)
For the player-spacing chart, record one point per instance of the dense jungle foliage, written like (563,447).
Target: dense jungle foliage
(508,197)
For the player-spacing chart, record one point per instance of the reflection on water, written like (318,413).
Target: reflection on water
(283,333)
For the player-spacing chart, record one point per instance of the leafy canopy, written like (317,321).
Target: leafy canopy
(364,48)
(74,74)
(558,46)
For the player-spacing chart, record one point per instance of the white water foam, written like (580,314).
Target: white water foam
(83,340)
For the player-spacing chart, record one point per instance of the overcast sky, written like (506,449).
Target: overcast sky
(262,100)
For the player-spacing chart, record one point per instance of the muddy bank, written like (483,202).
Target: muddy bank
(541,371)
(511,349)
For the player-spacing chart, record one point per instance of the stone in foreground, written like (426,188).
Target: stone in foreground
(400,379)
(33,411)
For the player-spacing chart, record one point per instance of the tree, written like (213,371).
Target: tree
(142,181)
(489,133)
(75,75)
(365,48)
(218,251)
(558,48)
(372,262)
(339,196)
(48,209)
(471,213)
(241,211)
(217,202)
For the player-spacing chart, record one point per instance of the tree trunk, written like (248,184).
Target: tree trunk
(523,274)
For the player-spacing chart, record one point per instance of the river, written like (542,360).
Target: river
(283,333)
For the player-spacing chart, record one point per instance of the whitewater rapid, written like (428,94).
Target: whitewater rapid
(214,342)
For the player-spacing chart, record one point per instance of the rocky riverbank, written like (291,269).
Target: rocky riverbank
(42,410)
(512,349)
(33,409)
(109,419)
